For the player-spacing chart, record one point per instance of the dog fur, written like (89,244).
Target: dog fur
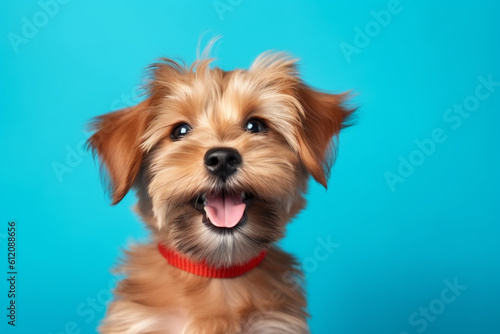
(137,151)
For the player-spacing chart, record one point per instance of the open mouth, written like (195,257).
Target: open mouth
(223,210)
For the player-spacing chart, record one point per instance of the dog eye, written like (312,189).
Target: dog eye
(180,131)
(255,126)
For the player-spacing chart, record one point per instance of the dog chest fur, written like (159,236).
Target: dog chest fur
(163,299)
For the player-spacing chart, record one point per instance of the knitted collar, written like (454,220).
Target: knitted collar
(202,269)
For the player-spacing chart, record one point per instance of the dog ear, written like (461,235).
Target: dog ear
(117,143)
(323,118)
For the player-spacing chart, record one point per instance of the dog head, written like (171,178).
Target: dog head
(220,160)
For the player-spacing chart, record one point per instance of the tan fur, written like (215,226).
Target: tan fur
(153,290)
(135,147)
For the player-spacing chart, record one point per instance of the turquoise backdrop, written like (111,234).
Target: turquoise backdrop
(411,218)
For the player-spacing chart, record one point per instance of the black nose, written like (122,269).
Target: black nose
(222,161)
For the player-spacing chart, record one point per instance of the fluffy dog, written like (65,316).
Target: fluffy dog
(220,162)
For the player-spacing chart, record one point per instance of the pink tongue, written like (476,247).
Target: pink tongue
(224,210)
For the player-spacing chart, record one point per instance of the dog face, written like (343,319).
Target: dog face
(220,159)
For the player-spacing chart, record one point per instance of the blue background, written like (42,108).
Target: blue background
(394,247)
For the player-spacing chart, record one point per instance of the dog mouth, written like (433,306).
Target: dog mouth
(223,210)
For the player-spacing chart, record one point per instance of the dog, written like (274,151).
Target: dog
(220,162)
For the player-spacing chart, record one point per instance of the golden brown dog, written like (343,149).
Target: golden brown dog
(220,162)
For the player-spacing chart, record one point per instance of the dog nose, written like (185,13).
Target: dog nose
(222,161)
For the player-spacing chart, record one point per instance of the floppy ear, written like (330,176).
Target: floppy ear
(117,143)
(323,118)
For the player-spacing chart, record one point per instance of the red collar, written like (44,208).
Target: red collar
(202,269)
